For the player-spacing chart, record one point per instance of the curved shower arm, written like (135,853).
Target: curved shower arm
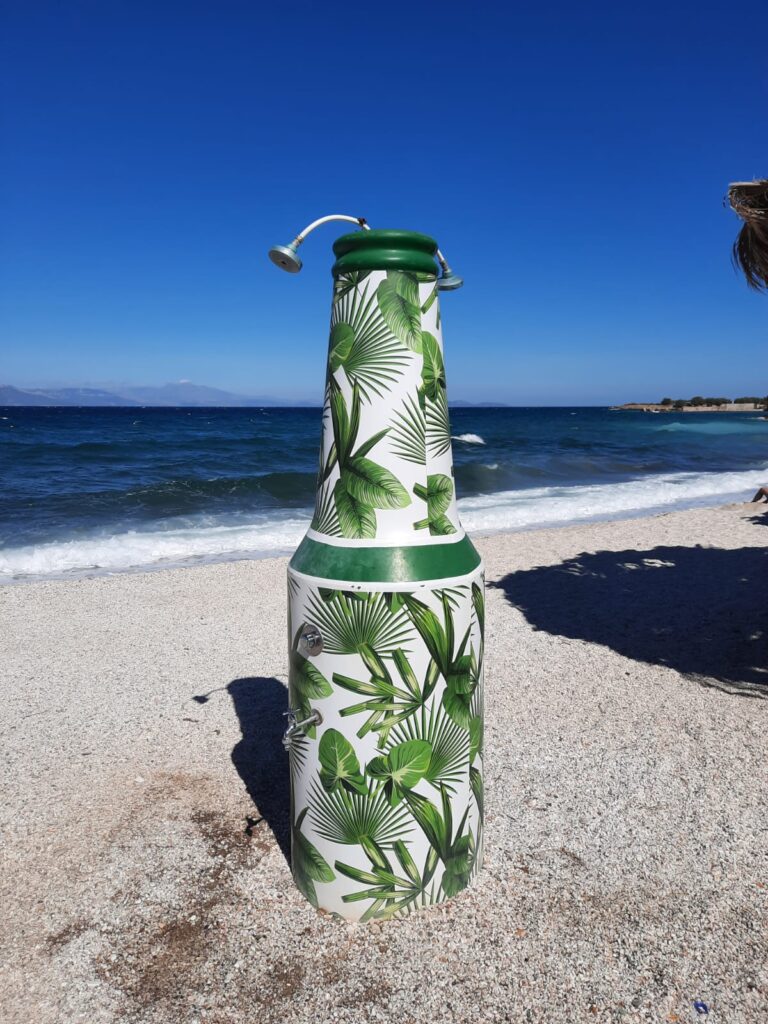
(286,257)
(352,220)
(363,223)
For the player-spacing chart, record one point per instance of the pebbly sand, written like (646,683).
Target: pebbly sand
(144,798)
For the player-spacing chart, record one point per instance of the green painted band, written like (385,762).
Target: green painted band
(386,565)
(385,250)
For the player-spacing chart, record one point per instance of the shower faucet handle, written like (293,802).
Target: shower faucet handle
(296,727)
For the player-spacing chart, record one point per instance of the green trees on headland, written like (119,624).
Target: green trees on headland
(699,400)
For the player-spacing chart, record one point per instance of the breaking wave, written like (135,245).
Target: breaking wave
(275,532)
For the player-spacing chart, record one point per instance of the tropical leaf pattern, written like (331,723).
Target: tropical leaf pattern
(361,342)
(437,494)
(403,787)
(386,431)
(387,771)
(398,298)
(408,434)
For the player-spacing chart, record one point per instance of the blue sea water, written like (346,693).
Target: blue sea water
(92,489)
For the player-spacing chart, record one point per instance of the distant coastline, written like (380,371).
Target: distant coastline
(183,395)
(656,407)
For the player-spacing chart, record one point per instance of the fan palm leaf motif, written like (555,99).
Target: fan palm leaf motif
(408,433)
(453,595)
(478,603)
(362,342)
(297,753)
(451,748)
(438,425)
(351,818)
(359,622)
(346,283)
(476,784)
(326,517)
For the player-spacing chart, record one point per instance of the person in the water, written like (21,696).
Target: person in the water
(762,494)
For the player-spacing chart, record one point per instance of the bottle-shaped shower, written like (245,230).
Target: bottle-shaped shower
(386,606)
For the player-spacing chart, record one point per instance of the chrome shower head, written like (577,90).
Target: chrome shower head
(448,281)
(285,257)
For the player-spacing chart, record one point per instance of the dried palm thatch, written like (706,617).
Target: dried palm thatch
(749,199)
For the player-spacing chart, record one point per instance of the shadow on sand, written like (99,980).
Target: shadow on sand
(701,611)
(259,757)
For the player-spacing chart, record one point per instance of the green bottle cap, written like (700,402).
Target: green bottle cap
(385,250)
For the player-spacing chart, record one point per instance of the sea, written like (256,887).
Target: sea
(87,491)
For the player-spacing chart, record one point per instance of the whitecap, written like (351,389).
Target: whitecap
(468,438)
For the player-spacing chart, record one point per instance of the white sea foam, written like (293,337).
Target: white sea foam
(281,532)
(139,549)
(468,438)
(549,506)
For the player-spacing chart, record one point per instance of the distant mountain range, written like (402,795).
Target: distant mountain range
(171,395)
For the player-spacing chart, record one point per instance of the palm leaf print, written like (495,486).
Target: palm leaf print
(453,595)
(451,750)
(432,370)
(392,893)
(386,703)
(398,298)
(355,622)
(307,862)
(362,343)
(347,282)
(454,850)
(353,518)
(363,484)
(455,665)
(350,818)
(408,433)
(438,425)
(297,752)
(476,784)
(326,517)
(438,495)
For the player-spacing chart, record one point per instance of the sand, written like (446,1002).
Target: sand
(143,817)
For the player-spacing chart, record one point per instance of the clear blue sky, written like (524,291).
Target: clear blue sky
(571,160)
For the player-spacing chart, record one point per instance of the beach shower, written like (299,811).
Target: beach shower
(386,608)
